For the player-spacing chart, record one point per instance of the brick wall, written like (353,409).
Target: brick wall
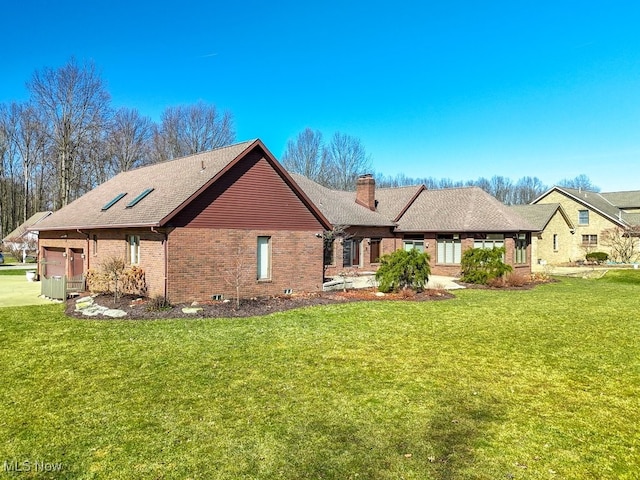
(205,262)
(391,244)
(112,243)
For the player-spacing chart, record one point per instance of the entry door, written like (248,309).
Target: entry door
(77,262)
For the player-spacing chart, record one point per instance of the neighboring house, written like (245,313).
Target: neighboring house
(198,226)
(594,215)
(443,223)
(25,237)
(554,233)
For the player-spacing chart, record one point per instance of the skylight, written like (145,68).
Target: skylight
(139,197)
(113,202)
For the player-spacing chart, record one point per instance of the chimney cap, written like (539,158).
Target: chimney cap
(365,175)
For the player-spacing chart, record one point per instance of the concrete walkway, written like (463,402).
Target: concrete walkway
(368,280)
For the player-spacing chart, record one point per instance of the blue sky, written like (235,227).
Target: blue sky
(454,89)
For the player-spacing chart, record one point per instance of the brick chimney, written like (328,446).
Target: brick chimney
(366,191)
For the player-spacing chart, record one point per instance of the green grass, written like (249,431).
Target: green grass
(533,384)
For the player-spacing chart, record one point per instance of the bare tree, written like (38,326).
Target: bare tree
(306,155)
(128,140)
(74,104)
(347,158)
(623,243)
(527,189)
(189,129)
(581,182)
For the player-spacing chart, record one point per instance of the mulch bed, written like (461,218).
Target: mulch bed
(139,308)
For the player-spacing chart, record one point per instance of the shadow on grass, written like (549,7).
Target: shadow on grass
(461,424)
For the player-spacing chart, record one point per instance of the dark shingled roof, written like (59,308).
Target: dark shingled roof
(539,215)
(391,202)
(29,225)
(339,206)
(607,204)
(173,182)
(629,199)
(468,209)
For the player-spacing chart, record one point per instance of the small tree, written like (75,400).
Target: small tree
(623,243)
(114,268)
(480,265)
(403,269)
(236,273)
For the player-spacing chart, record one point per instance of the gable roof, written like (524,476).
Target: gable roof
(468,209)
(173,185)
(592,200)
(540,215)
(27,225)
(339,206)
(628,199)
(393,202)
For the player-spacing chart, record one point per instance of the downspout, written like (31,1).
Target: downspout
(165,242)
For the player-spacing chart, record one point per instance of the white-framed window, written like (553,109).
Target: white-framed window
(133,249)
(95,245)
(589,240)
(488,240)
(411,243)
(264,258)
(583,217)
(555,242)
(449,248)
(521,248)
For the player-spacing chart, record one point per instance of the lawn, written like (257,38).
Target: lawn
(538,384)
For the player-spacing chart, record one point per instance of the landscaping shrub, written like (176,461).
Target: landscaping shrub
(597,257)
(158,303)
(480,265)
(113,277)
(403,269)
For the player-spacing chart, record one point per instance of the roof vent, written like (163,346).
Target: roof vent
(139,197)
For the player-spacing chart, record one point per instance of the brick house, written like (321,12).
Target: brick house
(197,226)
(592,214)
(443,223)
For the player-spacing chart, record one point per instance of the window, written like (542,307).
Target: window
(583,217)
(133,249)
(521,248)
(264,258)
(449,248)
(374,250)
(111,203)
(488,240)
(589,240)
(555,242)
(95,245)
(329,252)
(410,243)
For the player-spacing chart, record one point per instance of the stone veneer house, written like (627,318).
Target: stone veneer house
(591,214)
(554,230)
(201,225)
(196,226)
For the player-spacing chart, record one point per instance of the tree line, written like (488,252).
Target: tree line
(338,163)
(67,138)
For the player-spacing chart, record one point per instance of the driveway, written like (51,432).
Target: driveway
(16,291)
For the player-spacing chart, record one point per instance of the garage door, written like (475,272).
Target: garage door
(54,262)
